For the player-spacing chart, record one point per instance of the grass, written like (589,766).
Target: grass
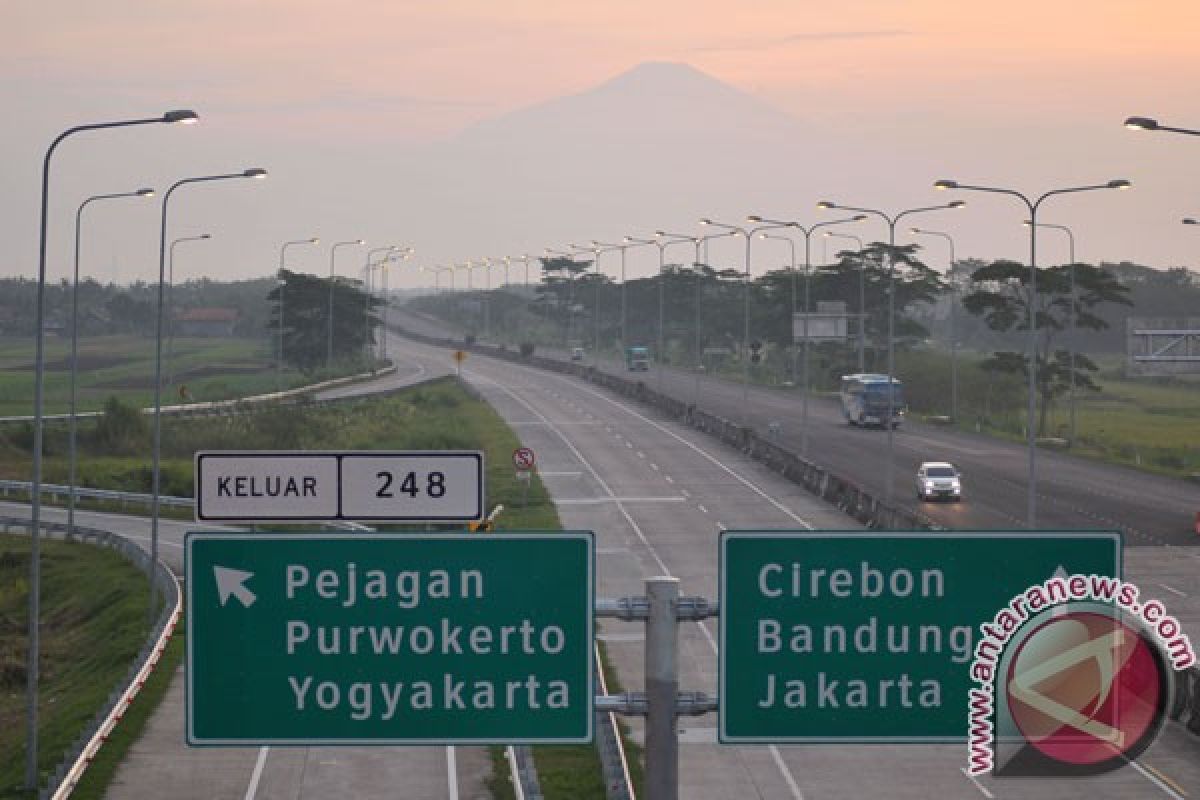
(210,369)
(97,777)
(438,415)
(93,621)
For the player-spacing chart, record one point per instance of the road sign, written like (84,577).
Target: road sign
(524,458)
(834,636)
(460,356)
(307,639)
(415,486)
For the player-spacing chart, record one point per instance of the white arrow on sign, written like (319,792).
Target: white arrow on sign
(232,582)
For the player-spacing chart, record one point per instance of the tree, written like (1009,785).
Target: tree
(306,319)
(1002,298)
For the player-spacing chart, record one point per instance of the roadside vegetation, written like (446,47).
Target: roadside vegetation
(441,415)
(93,623)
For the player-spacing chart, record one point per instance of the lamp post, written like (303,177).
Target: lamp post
(891,221)
(621,247)
(332,257)
(1149,124)
(567,325)
(72,458)
(403,255)
(1070,315)
(31,671)
(156,477)
(171,300)
(662,246)
(737,230)
(1032,205)
(368,266)
(281,283)
(862,296)
(697,243)
(596,252)
(808,232)
(953,318)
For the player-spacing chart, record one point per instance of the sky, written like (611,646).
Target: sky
(346,103)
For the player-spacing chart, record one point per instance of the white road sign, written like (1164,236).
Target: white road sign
(260,486)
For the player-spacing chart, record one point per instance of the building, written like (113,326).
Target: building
(216,322)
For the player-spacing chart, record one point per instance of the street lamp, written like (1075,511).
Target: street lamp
(256,173)
(35,572)
(697,242)
(332,256)
(281,283)
(568,324)
(1148,124)
(622,247)
(891,314)
(402,255)
(633,241)
(368,266)
(171,299)
(596,252)
(75,345)
(808,232)
(862,295)
(1032,205)
(953,317)
(1070,312)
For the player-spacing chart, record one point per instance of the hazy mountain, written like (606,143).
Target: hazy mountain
(657,146)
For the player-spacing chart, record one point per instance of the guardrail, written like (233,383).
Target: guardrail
(79,755)
(56,492)
(223,407)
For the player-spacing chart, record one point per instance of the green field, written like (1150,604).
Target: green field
(93,623)
(123,366)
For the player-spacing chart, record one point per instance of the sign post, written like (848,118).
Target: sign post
(836,636)
(524,460)
(307,639)
(273,486)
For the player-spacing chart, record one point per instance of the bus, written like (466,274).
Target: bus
(865,399)
(637,358)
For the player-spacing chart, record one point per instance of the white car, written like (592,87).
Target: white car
(937,479)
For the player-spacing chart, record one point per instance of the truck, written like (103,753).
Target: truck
(637,358)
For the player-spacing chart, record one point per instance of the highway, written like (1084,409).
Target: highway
(656,493)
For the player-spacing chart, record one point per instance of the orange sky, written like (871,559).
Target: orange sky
(1038,88)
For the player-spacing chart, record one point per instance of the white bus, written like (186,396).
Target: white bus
(865,399)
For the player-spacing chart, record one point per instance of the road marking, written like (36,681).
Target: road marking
(703,510)
(1169,787)
(255,776)
(685,492)
(559,474)
(621,637)
(640,454)
(612,551)
(695,448)
(591,501)
(669,479)
(978,785)
(654,467)
(1172,591)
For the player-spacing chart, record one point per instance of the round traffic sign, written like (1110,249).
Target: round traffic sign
(523,458)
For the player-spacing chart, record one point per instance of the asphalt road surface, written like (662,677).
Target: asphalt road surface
(657,494)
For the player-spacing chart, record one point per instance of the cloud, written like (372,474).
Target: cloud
(798,38)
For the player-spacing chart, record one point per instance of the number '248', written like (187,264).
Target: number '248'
(435,484)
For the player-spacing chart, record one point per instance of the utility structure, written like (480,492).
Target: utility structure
(1031,418)
(281,283)
(954,317)
(31,681)
(808,232)
(891,220)
(662,245)
(332,278)
(862,295)
(72,436)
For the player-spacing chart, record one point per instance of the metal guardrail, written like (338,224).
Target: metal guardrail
(224,407)
(618,785)
(55,491)
(79,755)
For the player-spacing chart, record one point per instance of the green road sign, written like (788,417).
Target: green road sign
(389,638)
(836,636)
